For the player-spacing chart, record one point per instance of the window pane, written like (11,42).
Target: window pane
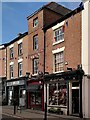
(11,71)
(35,40)
(52,94)
(59,66)
(35,22)
(62,94)
(59,34)
(35,69)
(20,49)
(20,69)
(11,53)
(58,94)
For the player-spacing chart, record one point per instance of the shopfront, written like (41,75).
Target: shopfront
(16,89)
(64,93)
(35,94)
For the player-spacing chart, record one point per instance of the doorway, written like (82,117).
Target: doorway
(36,100)
(75,98)
(16,94)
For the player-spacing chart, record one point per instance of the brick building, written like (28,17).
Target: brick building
(53,45)
(43,17)
(63,53)
(2,71)
(17,67)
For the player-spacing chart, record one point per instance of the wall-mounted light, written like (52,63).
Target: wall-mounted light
(27,74)
(66,63)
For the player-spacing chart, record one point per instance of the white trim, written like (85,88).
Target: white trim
(55,43)
(2,46)
(58,25)
(11,63)
(20,60)
(12,45)
(58,50)
(75,88)
(58,71)
(20,41)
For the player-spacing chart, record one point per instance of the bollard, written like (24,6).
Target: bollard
(14,103)
(45,118)
(14,109)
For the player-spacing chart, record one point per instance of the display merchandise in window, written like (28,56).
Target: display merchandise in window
(58,94)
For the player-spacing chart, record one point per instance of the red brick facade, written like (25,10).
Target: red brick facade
(72,44)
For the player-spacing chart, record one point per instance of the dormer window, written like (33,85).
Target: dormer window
(35,22)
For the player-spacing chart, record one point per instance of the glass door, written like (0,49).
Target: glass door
(35,99)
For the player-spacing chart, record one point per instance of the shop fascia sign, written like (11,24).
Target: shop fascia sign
(21,82)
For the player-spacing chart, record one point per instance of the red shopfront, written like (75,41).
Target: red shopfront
(35,92)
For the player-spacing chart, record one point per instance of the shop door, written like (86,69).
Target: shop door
(16,94)
(35,99)
(75,100)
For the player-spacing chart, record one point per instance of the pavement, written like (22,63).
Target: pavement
(34,114)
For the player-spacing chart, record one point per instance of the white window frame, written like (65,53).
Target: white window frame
(20,50)
(35,42)
(56,51)
(20,69)
(59,62)
(11,71)
(35,22)
(35,68)
(60,36)
(11,53)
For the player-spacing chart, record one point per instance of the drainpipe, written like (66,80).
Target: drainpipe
(44,50)
(45,109)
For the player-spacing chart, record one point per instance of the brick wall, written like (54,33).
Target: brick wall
(2,62)
(72,44)
(16,58)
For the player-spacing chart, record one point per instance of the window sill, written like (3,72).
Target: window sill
(55,43)
(34,74)
(11,58)
(58,72)
(20,55)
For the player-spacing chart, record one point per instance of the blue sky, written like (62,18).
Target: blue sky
(14,17)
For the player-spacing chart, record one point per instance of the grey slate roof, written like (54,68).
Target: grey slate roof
(59,9)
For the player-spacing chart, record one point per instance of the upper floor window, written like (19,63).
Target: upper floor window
(20,49)
(11,53)
(11,71)
(59,61)
(59,34)
(35,22)
(35,42)
(20,69)
(35,66)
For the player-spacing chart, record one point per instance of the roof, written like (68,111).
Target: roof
(77,10)
(21,35)
(55,7)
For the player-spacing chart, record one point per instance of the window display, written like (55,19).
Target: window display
(58,94)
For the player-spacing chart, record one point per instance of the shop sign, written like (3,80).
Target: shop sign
(15,83)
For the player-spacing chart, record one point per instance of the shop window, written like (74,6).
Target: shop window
(58,94)
(20,49)
(11,53)
(35,66)
(11,71)
(59,34)
(35,22)
(59,60)
(35,42)
(20,69)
